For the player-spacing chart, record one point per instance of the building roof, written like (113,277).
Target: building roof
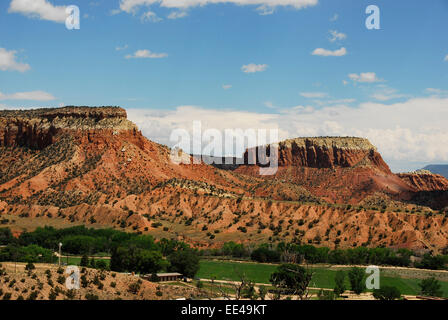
(173,274)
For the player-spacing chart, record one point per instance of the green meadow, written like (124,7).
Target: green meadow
(322,278)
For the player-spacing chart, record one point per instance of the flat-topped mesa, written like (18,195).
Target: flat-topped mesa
(424,180)
(37,128)
(329,152)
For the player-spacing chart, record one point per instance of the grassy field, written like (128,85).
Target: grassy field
(323,277)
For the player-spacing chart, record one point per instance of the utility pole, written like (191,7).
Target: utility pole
(60,246)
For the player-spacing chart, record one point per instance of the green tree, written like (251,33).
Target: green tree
(357,282)
(101,264)
(185,262)
(30,266)
(262,292)
(339,280)
(92,262)
(248,291)
(132,259)
(6,236)
(292,279)
(431,287)
(84,261)
(387,293)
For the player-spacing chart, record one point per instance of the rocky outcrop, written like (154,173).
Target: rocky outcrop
(424,180)
(37,129)
(326,152)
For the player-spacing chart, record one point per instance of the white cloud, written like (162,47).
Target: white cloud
(131,6)
(251,68)
(327,53)
(30,95)
(414,129)
(177,14)
(265,10)
(270,105)
(313,94)
(121,48)
(151,17)
(328,102)
(446,58)
(8,61)
(364,77)
(335,35)
(226,86)
(436,92)
(146,54)
(334,17)
(39,9)
(386,94)
(341,101)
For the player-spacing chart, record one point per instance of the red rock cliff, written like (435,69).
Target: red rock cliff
(424,180)
(38,128)
(328,152)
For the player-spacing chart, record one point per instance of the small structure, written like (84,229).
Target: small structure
(164,277)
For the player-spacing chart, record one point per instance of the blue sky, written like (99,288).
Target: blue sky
(198,59)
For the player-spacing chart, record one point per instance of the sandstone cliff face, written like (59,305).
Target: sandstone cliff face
(37,129)
(327,152)
(336,169)
(425,181)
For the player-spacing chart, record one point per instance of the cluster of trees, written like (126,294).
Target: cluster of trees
(292,252)
(30,254)
(312,254)
(137,259)
(229,249)
(80,240)
(130,252)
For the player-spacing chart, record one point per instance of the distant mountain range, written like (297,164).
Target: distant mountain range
(441,169)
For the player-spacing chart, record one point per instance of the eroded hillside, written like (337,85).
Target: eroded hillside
(93,166)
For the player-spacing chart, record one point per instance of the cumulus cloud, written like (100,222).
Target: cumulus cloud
(335,35)
(30,95)
(436,91)
(151,17)
(446,58)
(364,77)
(386,94)
(146,54)
(265,10)
(313,94)
(252,68)
(263,6)
(8,61)
(399,130)
(39,9)
(177,14)
(329,53)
